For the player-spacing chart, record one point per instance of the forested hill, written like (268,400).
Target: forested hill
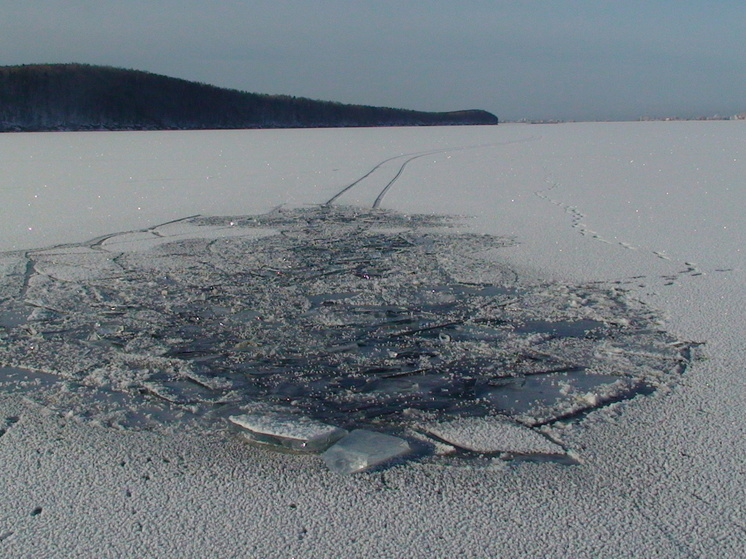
(83,97)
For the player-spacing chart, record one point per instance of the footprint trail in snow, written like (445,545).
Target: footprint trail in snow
(578,222)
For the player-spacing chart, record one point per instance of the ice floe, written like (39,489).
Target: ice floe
(492,434)
(294,433)
(362,450)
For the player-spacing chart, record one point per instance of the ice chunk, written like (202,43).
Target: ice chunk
(178,391)
(363,449)
(288,432)
(492,434)
(540,398)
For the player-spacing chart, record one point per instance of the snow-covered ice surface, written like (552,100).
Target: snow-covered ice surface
(558,279)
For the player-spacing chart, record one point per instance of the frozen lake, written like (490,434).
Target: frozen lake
(565,293)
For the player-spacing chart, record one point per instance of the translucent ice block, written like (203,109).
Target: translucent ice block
(288,432)
(363,449)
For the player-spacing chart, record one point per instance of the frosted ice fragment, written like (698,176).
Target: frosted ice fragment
(295,433)
(491,435)
(363,449)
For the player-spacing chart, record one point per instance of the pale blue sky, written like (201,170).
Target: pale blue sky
(573,59)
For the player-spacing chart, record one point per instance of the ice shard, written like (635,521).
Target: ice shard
(492,435)
(361,450)
(287,432)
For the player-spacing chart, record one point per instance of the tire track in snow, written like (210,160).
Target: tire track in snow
(379,198)
(373,170)
(100,242)
(411,157)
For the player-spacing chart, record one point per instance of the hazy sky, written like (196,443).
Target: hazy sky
(572,59)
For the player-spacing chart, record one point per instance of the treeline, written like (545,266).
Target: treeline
(85,97)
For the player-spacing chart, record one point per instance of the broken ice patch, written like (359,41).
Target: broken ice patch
(354,320)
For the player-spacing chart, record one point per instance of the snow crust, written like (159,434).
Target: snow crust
(651,208)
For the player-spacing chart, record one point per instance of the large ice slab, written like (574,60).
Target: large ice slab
(491,435)
(539,398)
(295,433)
(361,450)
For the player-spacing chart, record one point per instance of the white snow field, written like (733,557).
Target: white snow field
(596,267)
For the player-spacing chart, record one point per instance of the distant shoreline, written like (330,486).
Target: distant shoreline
(79,97)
